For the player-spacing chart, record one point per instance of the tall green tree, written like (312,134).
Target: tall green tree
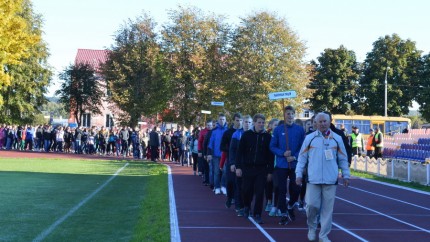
(402,59)
(266,56)
(138,80)
(16,37)
(31,77)
(335,81)
(423,90)
(81,90)
(196,46)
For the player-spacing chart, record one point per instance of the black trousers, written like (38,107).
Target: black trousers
(282,175)
(154,153)
(253,183)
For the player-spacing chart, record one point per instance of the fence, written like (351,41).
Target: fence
(405,170)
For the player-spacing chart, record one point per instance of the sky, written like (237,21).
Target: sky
(70,25)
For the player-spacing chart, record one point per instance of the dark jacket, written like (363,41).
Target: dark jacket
(154,139)
(226,139)
(206,143)
(254,150)
(345,142)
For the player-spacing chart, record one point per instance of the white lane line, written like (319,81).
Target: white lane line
(349,232)
(51,228)
(396,186)
(174,225)
(391,198)
(262,230)
(385,215)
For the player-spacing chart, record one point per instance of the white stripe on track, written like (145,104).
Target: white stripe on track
(174,225)
(391,198)
(262,230)
(349,232)
(396,186)
(51,228)
(385,215)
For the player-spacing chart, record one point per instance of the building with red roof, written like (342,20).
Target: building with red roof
(95,58)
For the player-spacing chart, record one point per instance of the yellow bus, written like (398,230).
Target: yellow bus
(387,125)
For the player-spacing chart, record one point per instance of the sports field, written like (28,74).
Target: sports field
(83,200)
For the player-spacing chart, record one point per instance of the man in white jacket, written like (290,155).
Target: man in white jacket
(322,155)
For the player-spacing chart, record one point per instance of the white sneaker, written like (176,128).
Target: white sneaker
(224,190)
(312,235)
(217,191)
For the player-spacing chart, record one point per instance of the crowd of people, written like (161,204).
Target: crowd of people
(120,142)
(284,165)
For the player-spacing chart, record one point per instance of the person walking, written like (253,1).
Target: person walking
(285,144)
(321,155)
(378,143)
(255,165)
(154,143)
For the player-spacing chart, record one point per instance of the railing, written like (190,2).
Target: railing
(405,170)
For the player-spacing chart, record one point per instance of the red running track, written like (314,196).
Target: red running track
(366,211)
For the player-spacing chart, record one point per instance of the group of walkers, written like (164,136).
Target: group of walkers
(122,142)
(283,166)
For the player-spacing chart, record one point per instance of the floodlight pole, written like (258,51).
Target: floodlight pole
(386,92)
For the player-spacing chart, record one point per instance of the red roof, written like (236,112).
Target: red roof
(92,57)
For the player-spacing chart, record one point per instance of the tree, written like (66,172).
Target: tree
(335,81)
(81,90)
(423,90)
(265,56)
(137,78)
(30,79)
(402,58)
(195,45)
(16,37)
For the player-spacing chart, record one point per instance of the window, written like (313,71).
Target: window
(86,120)
(307,114)
(109,121)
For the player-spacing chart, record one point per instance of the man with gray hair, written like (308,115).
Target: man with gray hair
(322,154)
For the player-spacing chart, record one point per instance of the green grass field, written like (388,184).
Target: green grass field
(36,194)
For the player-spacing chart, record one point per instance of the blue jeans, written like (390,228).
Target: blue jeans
(47,144)
(215,172)
(9,143)
(78,147)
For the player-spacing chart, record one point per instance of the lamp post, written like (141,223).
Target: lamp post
(385,107)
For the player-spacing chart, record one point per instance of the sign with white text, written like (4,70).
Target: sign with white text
(217,103)
(282,95)
(206,112)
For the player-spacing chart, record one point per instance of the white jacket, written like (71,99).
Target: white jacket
(324,156)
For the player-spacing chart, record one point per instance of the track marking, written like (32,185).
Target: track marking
(395,186)
(349,232)
(391,198)
(51,228)
(262,230)
(385,215)
(174,225)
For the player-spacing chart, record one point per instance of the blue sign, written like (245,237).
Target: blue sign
(217,103)
(282,95)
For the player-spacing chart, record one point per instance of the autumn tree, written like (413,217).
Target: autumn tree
(195,44)
(30,77)
(81,90)
(423,90)
(398,59)
(335,81)
(16,38)
(266,56)
(138,80)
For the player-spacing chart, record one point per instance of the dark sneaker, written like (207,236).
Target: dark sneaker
(301,206)
(285,219)
(240,213)
(246,212)
(228,203)
(291,214)
(257,219)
